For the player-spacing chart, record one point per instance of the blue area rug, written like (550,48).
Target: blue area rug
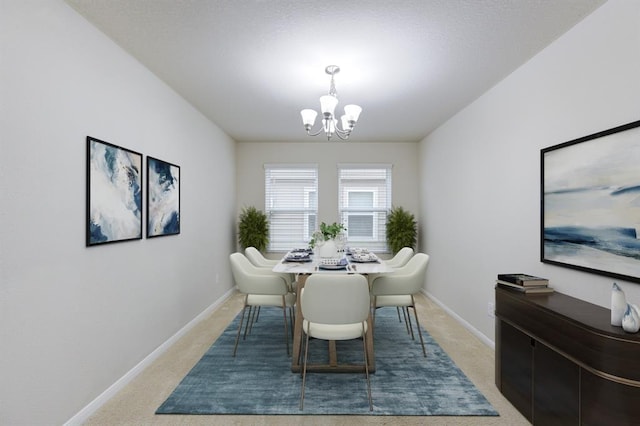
(259,379)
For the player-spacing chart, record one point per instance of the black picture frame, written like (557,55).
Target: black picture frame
(163,198)
(114,193)
(590,203)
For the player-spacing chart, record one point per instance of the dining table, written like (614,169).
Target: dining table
(360,262)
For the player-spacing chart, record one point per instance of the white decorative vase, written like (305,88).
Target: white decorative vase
(618,305)
(631,319)
(328,249)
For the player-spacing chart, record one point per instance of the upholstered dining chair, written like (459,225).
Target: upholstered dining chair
(335,307)
(261,288)
(257,259)
(401,258)
(254,255)
(398,289)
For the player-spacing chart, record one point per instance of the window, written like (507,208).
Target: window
(291,204)
(364,200)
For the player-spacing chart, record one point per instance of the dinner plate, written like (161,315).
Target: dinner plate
(365,261)
(301,250)
(298,259)
(332,267)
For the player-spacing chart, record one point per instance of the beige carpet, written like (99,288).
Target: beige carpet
(136,404)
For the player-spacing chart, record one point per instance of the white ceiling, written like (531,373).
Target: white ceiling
(252,65)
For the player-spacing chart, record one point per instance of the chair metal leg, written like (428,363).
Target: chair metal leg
(304,370)
(407,321)
(398,311)
(366,366)
(244,308)
(415,313)
(250,320)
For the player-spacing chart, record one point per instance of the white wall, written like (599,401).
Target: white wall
(481,170)
(74,320)
(251,157)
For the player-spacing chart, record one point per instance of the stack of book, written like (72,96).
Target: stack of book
(525,283)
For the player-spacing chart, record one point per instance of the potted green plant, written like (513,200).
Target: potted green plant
(328,232)
(253,229)
(401,229)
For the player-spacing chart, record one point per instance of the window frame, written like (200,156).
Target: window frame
(300,172)
(382,203)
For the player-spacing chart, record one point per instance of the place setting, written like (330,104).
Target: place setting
(361,255)
(298,255)
(333,264)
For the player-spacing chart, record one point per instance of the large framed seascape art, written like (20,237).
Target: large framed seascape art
(590,203)
(114,193)
(163,198)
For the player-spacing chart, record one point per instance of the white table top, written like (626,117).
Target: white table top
(379,267)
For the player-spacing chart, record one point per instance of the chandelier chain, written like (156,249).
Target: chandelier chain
(332,88)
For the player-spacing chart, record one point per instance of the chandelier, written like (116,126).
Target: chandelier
(328,105)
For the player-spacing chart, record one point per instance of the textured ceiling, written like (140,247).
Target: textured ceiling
(252,65)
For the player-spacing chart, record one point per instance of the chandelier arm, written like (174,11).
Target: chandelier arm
(346,132)
(340,133)
(316,133)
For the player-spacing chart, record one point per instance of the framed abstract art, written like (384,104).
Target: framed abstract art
(590,203)
(114,193)
(163,198)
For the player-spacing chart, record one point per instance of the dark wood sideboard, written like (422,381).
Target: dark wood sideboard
(559,361)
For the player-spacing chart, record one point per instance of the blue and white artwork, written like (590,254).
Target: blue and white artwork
(591,204)
(163,198)
(114,193)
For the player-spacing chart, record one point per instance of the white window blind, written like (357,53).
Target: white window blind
(291,204)
(364,193)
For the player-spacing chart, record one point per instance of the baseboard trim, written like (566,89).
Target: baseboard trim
(484,339)
(84,414)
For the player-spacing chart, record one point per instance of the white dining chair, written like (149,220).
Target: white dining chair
(257,259)
(260,288)
(335,307)
(398,289)
(401,258)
